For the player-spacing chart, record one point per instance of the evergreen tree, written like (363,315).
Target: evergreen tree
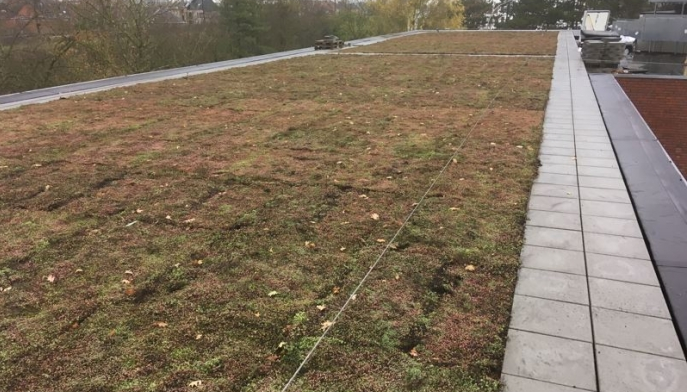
(242,19)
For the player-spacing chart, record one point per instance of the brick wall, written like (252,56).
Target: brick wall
(663,104)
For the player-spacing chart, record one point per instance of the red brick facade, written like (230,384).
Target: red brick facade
(663,104)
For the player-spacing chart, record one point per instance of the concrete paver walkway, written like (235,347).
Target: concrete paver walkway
(588,312)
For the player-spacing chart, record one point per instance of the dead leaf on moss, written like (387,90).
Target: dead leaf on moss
(413,353)
(321,307)
(470,268)
(51,278)
(161,324)
(374,216)
(195,384)
(326,324)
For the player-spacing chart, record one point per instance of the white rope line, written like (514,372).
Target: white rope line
(388,245)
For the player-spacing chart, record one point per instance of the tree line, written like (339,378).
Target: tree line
(52,42)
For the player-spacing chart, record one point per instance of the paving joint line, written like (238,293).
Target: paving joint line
(548,382)
(641,352)
(584,248)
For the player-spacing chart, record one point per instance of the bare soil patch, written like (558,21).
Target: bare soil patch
(470,42)
(188,230)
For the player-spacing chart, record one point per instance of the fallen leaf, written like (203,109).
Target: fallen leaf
(492,144)
(126,281)
(336,290)
(353,297)
(78,270)
(196,383)
(454,160)
(128,272)
(389,178)
(518,146)
(199,336)
(131,223)
(161,324)
(138,210)
(343,248)
(272,293)
(461,179)
(177,265)
(257,314)
(190,220)
(309,244)
(454,208)
(326,324)
(470,267)
(374,216)
(393,245)
(491,169)
(321,307)
(281,344)
(363,196)
(413,353)
(381,240)
(51,278)
(397,277)
(168,217)
(47,188)
(198,262)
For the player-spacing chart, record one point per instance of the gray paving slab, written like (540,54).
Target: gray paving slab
(553,318)
(593,171)
(557,168)
(557,160)
(605,225)
(628,297)
(553,238)
(607,209)
(597,162)
(593,146)
(553,129)
(556,220)
(552,285)
(595,154)
(635,332)
(558,144)
(554,204)
(557,151)
(601,182)
(565,191)
(556,179)
(630,371)
(550,359)
(551,259)
(593,139)
(622,269)
(590,131)
(607,195)
(559,136)
(614,245)
(520,384)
